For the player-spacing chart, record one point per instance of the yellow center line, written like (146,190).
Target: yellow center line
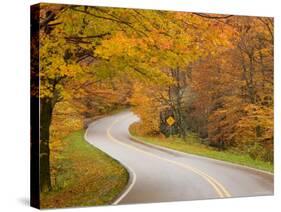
(218,187)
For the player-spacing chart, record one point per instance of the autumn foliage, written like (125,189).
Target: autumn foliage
(214,73)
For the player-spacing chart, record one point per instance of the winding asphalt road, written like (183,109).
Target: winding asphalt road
(160,176)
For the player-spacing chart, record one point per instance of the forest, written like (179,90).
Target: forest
(212,73)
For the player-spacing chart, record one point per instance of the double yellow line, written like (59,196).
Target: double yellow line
(218,187)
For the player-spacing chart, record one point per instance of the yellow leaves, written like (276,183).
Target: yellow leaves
(256,129)
(118,45)
(241,125)
(168,41)
(153,60)
(46,91)
(146,107)
(71,70)
(53,67)
(52,73)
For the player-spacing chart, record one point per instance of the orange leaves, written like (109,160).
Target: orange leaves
(234,92)
(146,107)
(227,65)
(162,40)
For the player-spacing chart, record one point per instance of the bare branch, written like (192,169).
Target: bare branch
(212,17)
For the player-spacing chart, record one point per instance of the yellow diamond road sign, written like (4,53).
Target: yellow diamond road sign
(170,120)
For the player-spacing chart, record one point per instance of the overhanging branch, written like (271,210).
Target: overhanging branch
(212,17)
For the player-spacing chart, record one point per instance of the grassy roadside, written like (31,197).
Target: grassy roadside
(193,145)
(87,176)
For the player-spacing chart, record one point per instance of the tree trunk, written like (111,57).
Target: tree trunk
(178,95)
(251,88)
(46,109)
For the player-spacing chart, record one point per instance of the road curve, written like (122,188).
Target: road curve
(162,176)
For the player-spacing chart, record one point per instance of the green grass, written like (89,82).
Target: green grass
(86,176)
(194,146)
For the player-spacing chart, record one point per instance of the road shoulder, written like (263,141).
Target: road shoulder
(184,154)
